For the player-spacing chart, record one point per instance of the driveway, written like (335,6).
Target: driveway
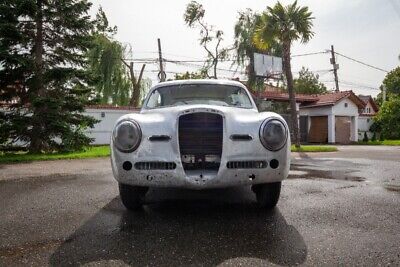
(340,208)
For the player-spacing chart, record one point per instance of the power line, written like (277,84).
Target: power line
(311,54)
(358,85)
(360,62)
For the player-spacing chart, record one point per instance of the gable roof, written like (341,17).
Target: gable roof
(331,98)
(282,96)
(368,98)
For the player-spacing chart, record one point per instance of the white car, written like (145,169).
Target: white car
(200,134)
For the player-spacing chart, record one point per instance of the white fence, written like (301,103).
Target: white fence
(102,130)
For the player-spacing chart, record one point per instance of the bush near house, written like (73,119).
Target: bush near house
(387,121)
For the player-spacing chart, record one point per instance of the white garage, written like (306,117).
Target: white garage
(333,118)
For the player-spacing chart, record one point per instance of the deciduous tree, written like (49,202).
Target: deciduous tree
(387,121)
(308,83)
(210,39)
(109,74)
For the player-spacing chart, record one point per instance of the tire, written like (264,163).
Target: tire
(132,196)
(267,194)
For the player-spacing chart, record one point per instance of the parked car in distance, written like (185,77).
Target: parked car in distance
(200,134)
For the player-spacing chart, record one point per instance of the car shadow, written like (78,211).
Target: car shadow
(181,232)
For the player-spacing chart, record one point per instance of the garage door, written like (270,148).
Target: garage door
(342,130)
(318,130)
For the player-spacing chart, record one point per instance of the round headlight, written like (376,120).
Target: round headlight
(127,136)
(273,134)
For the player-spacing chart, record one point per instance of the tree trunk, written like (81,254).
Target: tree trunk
(36,143)
(292,99)
(136,87)
(251,73)
(215,68)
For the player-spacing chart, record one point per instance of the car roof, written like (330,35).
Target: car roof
(200,81)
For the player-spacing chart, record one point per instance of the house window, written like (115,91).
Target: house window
(103,114)
(367,120)
(345,105)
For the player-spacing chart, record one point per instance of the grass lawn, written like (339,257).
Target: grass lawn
(104,151)
(314,148)
(90,152)
(384,143)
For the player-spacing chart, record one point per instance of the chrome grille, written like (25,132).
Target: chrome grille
(246,164)
(155,165)
(200,140)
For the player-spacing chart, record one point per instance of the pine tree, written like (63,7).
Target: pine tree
(42,72)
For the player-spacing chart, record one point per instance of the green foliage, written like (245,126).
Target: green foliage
(194,17)
(392,82)
(43,75)
(283,24)
(308,83)
(108,73)
(365,139)
(373,138)
(190,75)
(245,48)
(388,119)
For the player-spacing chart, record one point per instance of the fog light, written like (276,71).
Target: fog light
(127,165)
(274,163)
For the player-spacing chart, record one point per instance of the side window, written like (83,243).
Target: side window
(345,105)
(154,100)
(240,98)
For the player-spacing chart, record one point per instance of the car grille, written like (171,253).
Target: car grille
(246,164)
(200,140)
(155,165)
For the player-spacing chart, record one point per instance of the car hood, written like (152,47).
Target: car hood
(164,121)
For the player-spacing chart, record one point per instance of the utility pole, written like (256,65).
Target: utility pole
(161,73)
(335,68)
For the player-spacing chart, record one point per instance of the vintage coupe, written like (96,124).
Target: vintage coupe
(200,134)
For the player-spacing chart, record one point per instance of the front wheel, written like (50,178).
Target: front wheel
(132,196)
(267,194)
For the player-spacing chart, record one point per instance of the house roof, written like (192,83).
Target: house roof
(368,98)
(331,98)
(282,96)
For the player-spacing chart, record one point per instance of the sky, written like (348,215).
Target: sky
(366,30)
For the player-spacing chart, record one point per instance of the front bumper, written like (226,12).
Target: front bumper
(224,177)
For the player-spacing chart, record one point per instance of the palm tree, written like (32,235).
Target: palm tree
(285,24)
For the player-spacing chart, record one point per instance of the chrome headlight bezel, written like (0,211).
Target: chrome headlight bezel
(265,142)
(115,137)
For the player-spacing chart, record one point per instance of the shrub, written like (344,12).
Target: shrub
(365,139)
(373,139)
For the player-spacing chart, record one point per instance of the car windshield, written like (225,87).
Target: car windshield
(209,94)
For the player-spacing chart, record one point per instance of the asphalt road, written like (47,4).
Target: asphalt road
(335,209)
